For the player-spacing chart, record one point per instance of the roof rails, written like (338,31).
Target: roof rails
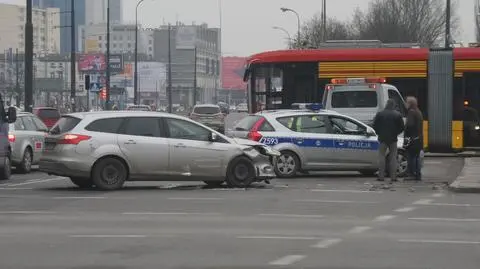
(336,44)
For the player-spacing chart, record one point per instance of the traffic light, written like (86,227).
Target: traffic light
(103,94)
(87,82)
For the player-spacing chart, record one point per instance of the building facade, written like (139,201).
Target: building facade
(97,11)
(191,44)
(46,34)
(64,7)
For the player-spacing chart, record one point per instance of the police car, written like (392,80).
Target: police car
(312,139)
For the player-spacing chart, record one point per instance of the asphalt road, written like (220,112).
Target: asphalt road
(317,221)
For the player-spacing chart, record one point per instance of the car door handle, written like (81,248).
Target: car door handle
(180,145)
(130,142)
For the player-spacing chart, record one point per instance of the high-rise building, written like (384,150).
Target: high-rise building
(97,11)
(46,37)
(65,19)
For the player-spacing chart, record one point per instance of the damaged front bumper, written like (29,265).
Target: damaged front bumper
(263,158)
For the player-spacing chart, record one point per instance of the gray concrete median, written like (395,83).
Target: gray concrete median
(469,178)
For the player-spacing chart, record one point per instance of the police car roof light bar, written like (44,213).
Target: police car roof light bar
(344,81)
(309,106)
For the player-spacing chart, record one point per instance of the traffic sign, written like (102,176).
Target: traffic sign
(95,87)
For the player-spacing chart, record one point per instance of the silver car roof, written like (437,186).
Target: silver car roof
(114,114)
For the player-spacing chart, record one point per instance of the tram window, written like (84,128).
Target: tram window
(354,99)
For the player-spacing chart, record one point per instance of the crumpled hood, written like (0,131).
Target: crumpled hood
(246,142)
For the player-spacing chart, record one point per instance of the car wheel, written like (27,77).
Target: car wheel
(26,164)
(214,184)
(402,167)
(83,183)
(109,174)
(287,164)
(368,173)
(6,170)
(240,173)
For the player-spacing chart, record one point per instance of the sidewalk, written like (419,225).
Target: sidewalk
(469,178)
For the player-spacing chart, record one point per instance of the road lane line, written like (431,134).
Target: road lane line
(108,236)
(433,162)
(35,182)
(345,191)
(438,195)
(28,212)
(326,243)
(287,260)
(445,219)
(291,216)
(16,189)
(447,204)
(440,242)
(359,229)
(277,237)
(384,218)
(334,201)
(194,199)
(169,213)
(423,202)
(405,209)
(79,197)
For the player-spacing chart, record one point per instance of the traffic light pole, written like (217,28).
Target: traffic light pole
(73,61)
(28,59)
(107,60)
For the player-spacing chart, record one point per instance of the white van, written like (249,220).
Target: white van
(361,98)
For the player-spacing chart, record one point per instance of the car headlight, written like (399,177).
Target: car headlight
(251,152)
(270,151)
(477,127)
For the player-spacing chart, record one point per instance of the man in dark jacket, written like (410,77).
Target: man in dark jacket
(388,125)
(414,139)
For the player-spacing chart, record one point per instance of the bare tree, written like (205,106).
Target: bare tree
(313,36)
(416,21)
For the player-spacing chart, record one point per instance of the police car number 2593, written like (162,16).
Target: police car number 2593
(269,140)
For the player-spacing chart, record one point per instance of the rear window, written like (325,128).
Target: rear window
(248,122)
(64,124)
(48,114)
(206,110)
(354,99)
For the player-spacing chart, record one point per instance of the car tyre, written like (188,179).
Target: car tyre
(83,183)
(213,184)
(6,169)
(287,165)
(109,174)
(240,173)
(26,165)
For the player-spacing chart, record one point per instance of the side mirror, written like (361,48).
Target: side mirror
(12,115)
(213,137)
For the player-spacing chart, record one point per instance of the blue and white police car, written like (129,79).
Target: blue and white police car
(312,139)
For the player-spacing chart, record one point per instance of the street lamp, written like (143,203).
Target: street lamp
(135,76)
(283,30)
(284,9)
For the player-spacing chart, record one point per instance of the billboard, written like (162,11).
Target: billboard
(233,69)
(116,63)
(186,37)
(92,63)
(91,46)
(151,78)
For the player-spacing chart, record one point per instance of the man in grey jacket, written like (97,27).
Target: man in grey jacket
(388,125)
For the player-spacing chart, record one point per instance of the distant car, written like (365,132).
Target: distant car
(106,149)
(48,115)
(242,107)
(26,137)
(139,108)
(210,115)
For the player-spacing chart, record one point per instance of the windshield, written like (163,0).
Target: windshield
(138,108)
(354,99)
(206,110)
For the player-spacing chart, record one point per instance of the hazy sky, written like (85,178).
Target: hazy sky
(247,24)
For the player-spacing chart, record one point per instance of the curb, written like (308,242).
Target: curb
(463,184)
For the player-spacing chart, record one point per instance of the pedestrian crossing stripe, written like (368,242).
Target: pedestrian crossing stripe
(322,143)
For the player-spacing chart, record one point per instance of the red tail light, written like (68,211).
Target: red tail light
(254,134)
(11,138)
(73,139)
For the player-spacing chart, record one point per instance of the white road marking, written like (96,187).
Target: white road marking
(37,181)
(169,213)
(384,218)
(79,197)
(405,209)
(291,216)
(27,212)
(440,242)
(287,260)
(423,202)
(277,237)
(327,243)
(345,191)
(194,199)
(445,219)
(359,229)
(438,195)
(447,204)
(433,162)
(16,188)
(334,201)
(107,236)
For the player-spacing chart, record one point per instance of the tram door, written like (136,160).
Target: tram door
(471,117)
